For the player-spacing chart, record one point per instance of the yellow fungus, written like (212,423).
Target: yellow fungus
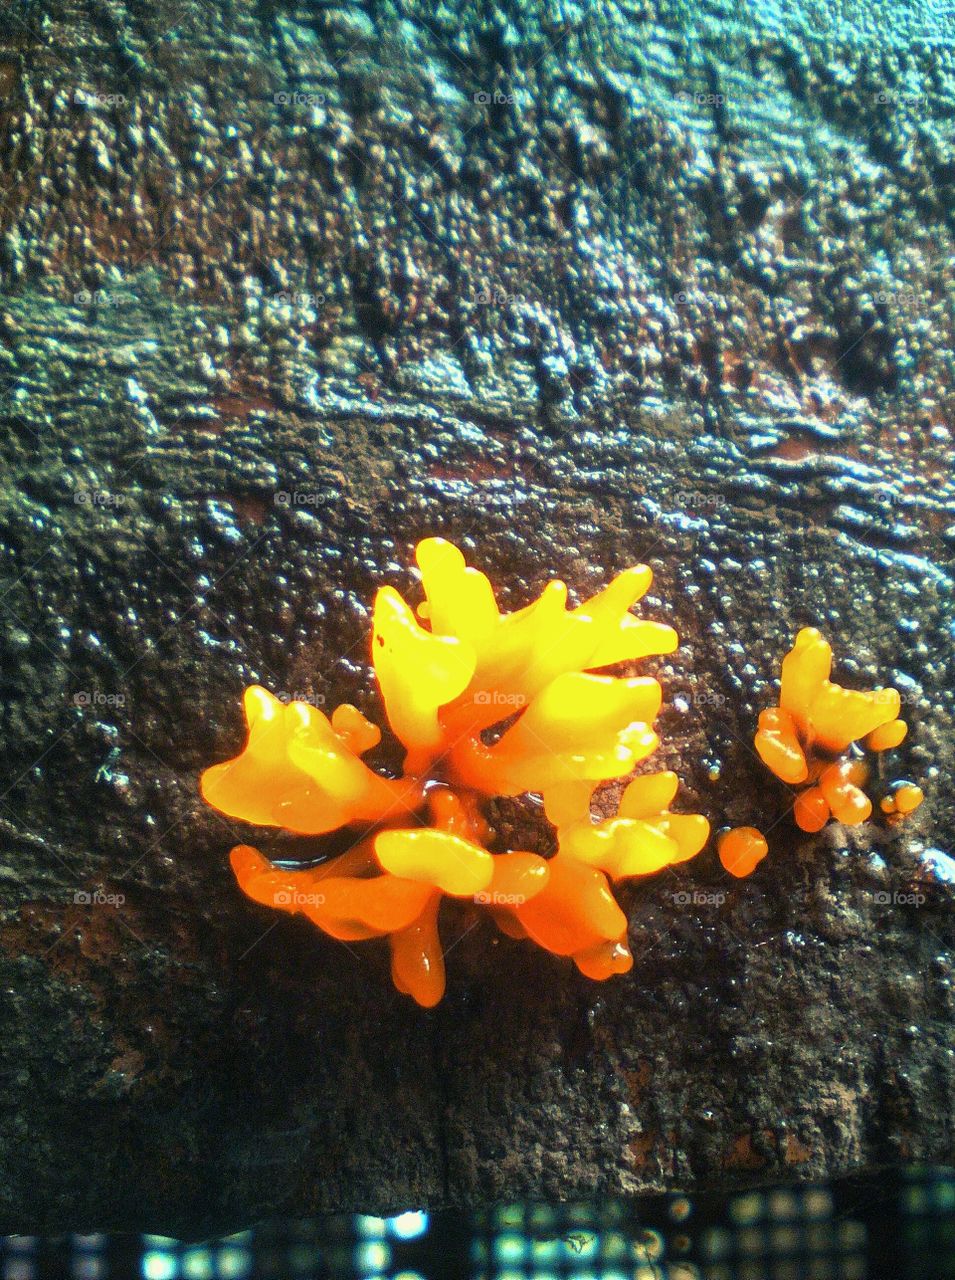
(296,772)
(578,727)
(887,736)
(620,846)
(443,666)
(517,877)
(908,798)
(569,803)
(484,703)
(688,831)
(810,739)
(778,745)
(648,795)
(826,714)
(447,862)
(357,733)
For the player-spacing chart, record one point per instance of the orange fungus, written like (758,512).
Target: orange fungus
(741,850)
(816,738)
(904,798)
(447,673)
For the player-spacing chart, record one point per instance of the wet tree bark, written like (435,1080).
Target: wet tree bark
(287,287)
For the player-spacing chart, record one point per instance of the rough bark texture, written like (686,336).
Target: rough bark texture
(288,287)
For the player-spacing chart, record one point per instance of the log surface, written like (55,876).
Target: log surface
(287,287)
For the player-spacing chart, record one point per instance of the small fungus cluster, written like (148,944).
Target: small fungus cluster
(485,704)
(814,739)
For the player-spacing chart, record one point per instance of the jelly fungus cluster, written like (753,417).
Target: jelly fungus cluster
(485,703)
(811,740)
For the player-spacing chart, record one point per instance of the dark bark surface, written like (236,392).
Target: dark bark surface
(287,287)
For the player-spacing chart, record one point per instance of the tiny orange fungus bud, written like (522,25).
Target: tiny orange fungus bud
(887,736)
(810,810)
(741,850)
